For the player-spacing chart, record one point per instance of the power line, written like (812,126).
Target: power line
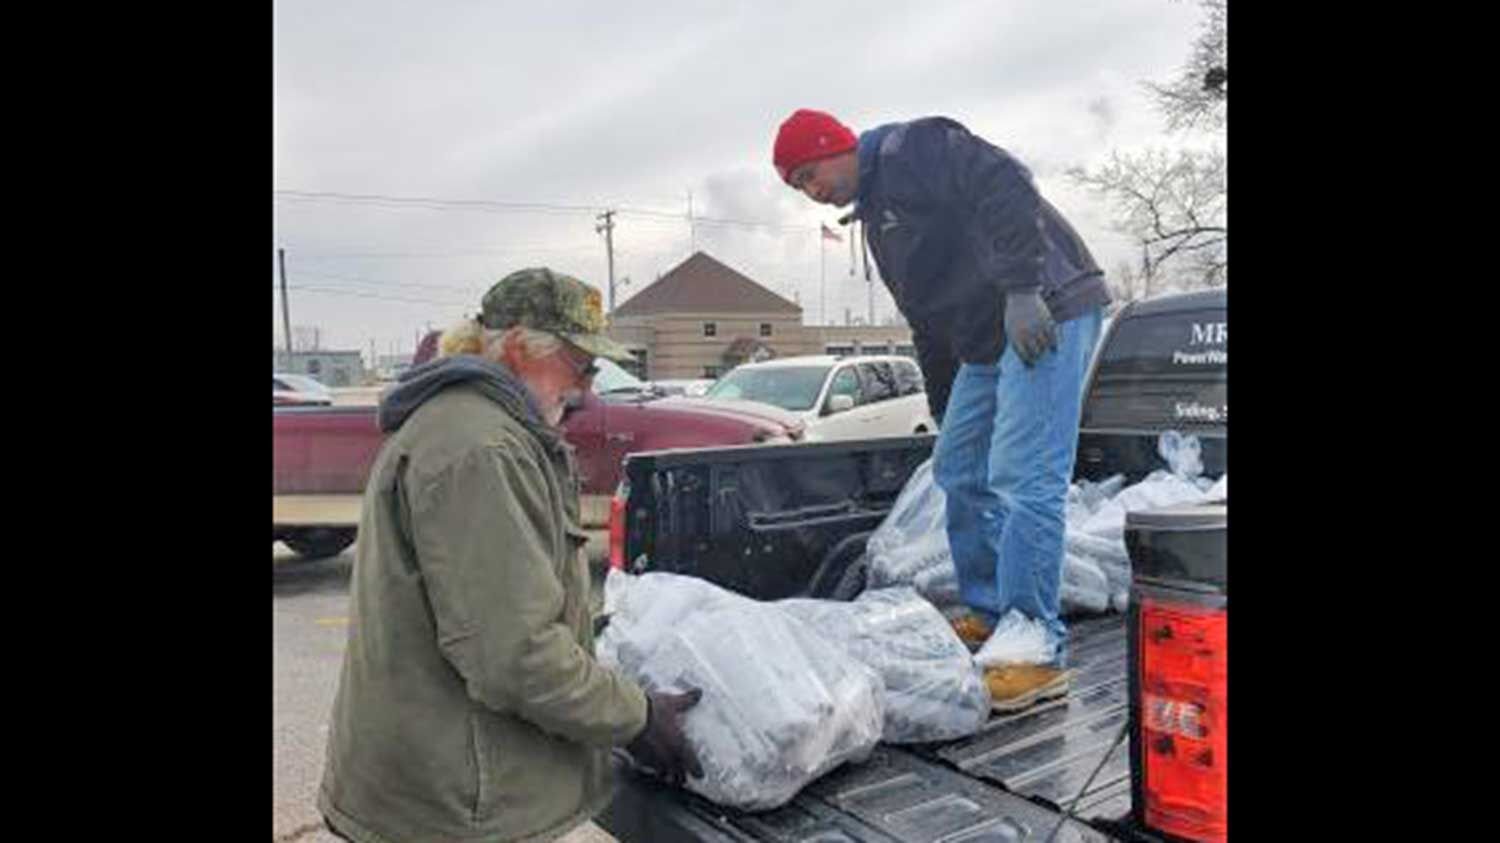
(363,295)
(384,283)
(431,203)
(696,220)
(440,255)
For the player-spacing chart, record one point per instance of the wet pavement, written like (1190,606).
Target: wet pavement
(309,622)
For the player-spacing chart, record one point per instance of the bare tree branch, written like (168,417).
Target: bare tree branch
(1175,205)
(1198,98)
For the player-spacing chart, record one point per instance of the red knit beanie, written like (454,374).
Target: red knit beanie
(808,136)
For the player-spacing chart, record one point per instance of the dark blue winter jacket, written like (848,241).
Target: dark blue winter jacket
(955,223)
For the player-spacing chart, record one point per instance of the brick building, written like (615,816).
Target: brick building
(703,318)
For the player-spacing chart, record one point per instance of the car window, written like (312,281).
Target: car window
(302,383)
(1160,371)
(846,382)
(1185,343)
(879,382)
(613,378)
(908,378)
(787,387)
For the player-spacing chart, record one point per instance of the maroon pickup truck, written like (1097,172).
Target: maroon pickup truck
(321,456)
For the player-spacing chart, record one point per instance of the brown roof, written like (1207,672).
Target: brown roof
(701,284)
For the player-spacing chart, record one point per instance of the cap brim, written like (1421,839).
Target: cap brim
(600,346)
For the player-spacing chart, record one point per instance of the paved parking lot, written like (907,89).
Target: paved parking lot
(309,621)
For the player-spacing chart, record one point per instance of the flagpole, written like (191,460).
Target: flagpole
(822,276)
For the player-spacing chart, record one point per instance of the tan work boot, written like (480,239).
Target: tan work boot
(1014,687)
(971,630)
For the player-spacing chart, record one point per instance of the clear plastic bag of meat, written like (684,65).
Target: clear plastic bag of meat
(1085,587)
(913,537)
(780,707)
(639,607)
(933,689)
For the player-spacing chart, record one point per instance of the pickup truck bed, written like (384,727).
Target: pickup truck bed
(778,521)
(1005,783)
(783,521)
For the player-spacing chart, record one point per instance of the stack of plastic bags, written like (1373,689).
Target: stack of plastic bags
(781,705)
(911,546)
(933,690)
(1095,537)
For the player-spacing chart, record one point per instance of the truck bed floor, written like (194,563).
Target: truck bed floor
(1001,784)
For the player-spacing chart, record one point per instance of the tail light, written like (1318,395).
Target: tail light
(617,530)
(1184,718)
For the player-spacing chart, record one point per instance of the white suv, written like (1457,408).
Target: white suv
(839,397)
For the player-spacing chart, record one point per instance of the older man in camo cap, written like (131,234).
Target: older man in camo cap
(470,706)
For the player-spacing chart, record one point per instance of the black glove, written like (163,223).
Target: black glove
(661,746)
(1029,326)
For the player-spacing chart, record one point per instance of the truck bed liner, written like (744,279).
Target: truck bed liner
(1049,751)
(1002,784)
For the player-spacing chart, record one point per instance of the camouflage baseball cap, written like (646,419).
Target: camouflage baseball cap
(550,301)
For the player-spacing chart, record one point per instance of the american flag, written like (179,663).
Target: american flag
(830,234)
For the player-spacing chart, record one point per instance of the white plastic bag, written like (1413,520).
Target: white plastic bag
(939,585)
(640,606)
(1079,543)
(780,707)
(1183,454)
(1016,639)
(1085,497)
(933,690)
(1160,488)
(1084,585)
(910,547)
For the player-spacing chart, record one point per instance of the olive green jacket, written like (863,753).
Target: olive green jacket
(470,706)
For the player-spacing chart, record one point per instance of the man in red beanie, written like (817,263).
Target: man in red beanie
(999,287)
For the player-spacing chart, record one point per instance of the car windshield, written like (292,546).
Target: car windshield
(302,384)
(612,378)
(787,387)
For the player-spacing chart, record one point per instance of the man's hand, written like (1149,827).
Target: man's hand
(661,746)
(1029,326)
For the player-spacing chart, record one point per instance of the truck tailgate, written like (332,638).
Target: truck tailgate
(999,785)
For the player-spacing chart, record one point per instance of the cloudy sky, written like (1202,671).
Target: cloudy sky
(550,112)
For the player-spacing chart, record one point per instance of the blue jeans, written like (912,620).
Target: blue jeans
(1004,459)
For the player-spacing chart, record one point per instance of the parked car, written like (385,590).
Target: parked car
(322,455)
(289,390)
(838,397)
(691,387)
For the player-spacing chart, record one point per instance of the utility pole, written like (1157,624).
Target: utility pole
(1146,271)
(692,226)
(869,281)
(608,229)
(286,310)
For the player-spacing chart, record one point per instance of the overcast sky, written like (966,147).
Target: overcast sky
(634,106)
